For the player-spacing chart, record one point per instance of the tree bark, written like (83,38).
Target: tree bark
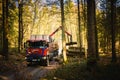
(79,27)
(63,31)
(96,32)
(5,28)
(91,58)
(20,32)
(113,21)
(83,2)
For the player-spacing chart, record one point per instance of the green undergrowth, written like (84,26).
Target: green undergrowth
(79,71)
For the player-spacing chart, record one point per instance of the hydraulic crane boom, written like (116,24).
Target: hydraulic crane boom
(55,31)
(60,28)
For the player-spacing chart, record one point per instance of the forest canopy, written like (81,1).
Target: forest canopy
(22,18)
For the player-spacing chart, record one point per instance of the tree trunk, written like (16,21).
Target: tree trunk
(91,58)
(96,32)
(5,28)
(79,28)
(63,31)
(84,22)
(113,21)
(20,32)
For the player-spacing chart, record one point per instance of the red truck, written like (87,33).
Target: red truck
(37,49)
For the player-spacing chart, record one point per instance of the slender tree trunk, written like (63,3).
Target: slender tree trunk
(20,32)
(63,31)
(96,32)
(34,18)
(5,28)
(91,61)
(83,2)
(107,28)
(22,29)
(107,42)
(79,27)
(113,21)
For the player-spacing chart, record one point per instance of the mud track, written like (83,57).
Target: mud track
(30,73)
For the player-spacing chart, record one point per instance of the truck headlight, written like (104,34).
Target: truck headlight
(25,57)
(29,52)
(44,58)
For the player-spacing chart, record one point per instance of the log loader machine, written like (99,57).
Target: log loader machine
(41,48)
(70,36)
(70,42)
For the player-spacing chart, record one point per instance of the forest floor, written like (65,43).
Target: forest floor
(74,69)
(16,69)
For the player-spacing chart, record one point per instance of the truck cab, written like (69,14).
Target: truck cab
(37,50)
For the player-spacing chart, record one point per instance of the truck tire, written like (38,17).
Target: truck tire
(29,64)
(46,61)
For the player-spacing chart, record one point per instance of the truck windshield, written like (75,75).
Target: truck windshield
(37,44)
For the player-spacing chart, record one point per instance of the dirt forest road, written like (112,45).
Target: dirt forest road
(36,72)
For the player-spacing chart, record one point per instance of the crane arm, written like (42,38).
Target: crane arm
(58,30)
(70,43)
(55,31)
(61,29)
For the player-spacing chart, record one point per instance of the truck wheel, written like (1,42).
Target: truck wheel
(46,62)
(29,64)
